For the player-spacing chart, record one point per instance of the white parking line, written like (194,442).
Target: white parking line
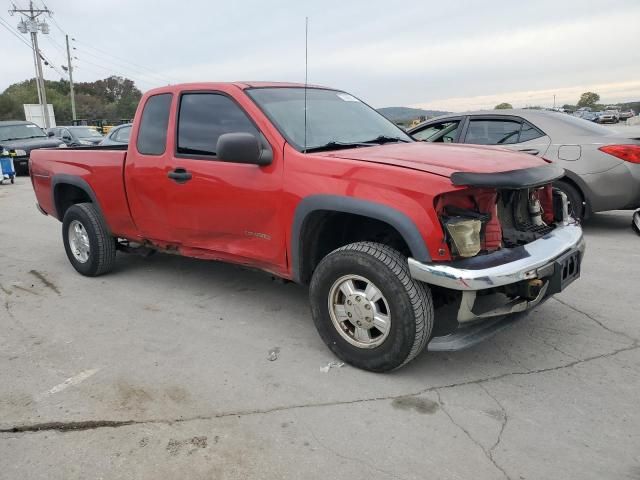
(75,380)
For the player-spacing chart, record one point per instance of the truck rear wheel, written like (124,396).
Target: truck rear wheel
(368,309)
(90,248)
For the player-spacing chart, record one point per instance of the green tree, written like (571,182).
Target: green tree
(503,106)
(111,99)
(588,99)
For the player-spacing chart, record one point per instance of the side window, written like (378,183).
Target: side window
(206,116)
(65,133)
(529,132)
(439,132)
(152,135)
(493,132)
(123,134)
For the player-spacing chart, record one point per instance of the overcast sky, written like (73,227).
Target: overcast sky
(445,55)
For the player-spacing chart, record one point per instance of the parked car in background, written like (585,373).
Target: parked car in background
(627,114)
(602,167)
(118,135)
(19,138)
(586,115)
(608,116)
(77,136)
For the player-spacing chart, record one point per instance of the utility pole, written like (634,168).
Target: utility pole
(32,25)
(554,101)
(70,67)
(35,66)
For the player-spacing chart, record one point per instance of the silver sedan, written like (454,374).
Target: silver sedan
(602,167)
(118,135)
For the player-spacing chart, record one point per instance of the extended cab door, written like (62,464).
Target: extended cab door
(145,172)
(231,210)
(506,131)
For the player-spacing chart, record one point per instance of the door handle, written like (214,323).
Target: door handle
(530,151)
(179,175)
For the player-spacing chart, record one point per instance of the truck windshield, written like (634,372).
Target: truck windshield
(334,119)
(20,132)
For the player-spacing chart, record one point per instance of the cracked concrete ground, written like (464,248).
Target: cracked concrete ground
(160,370)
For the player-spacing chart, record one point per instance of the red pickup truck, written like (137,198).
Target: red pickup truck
(402,243)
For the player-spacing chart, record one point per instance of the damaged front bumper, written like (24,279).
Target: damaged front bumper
(486,282)
(503,267)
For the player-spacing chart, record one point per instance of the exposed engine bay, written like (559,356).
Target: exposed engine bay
(477,221)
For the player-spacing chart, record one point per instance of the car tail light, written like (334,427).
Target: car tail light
(628,153)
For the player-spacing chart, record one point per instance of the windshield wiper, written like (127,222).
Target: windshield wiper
(22,138)
(333,145)
(382,139)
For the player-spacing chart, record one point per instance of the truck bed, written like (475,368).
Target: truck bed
(100,167)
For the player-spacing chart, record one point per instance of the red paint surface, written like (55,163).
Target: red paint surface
(244,213)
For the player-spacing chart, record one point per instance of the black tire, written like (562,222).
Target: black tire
(576,200)
(102,246)
(410,304)
(635,222)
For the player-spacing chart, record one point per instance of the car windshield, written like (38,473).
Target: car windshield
(334,119)
(85,132)
(20,131)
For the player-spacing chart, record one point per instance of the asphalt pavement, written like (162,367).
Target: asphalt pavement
(176,368)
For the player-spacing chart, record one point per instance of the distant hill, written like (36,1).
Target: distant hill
(406,114)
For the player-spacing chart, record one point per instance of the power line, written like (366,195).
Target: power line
(134,65)
(7,26)
(109,69)
(32,24)
(122,63)
(122,67)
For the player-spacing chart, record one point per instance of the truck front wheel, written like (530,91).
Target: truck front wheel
(368,309)
(90,248)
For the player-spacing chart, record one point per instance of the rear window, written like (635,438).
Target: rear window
(574,125)
(152,135)
(493,132)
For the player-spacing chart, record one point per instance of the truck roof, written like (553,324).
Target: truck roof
(242,85)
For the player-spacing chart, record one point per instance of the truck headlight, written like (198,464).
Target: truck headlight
(465,234)
(21,153)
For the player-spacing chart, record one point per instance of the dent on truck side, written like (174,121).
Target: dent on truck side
(343,204)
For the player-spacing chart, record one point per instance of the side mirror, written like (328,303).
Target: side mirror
(50,133)
(242,148)
(66,137)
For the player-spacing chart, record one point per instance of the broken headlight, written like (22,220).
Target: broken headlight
(464,234)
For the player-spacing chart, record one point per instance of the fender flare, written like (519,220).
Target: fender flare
(65,179)
(336,203)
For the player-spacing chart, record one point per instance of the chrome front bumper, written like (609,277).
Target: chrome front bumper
(503,267)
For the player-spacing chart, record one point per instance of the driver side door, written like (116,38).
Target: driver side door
(224,210)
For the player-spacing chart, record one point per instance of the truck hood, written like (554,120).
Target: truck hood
(441,159)
(28,144)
